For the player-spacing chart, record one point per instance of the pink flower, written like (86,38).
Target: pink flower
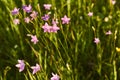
(46,28)
(27,19)
(35,68)
(49,29)
(54,21)
(54,28)
(16,21)
(15,11)
(23,7)
(90,14)
(34,39)
(46,17)
(47,6)
(113,2)
(108,32)
(55,77)
(27,9)
(65,20)
(96,40)
(20,65)
(34,15)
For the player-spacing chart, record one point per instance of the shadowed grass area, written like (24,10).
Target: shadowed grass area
(70,53)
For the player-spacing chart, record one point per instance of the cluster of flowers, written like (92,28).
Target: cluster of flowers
(33,14)
(54,28)
(21,66)
(47,28)
(36,68)
(27,9)
(46,17)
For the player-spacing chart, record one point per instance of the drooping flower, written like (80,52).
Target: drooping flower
(90,14)
(15,11)
(16,21)
(55,77)
(46,28)
(20,65)
(46,17)
(27,9)
(54,28)
(34,14)
(27,19)
(34,39)
(96,40)
(35,68)
(65,20)
(47,6)
(108,32)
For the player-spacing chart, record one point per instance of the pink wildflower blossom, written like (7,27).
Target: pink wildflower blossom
(46,28)
(15,11)
(65,20)
(54,28)
(35,68)
(27,9)
(23,7)
(34,15)
(27,19)
(90,14)
(34,39)
(46,17)
(20,65)
(47,6)
(55,77)
(96,40)
(16,21)
(113,2)
(108,32)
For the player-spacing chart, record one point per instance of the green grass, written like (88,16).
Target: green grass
(71,52)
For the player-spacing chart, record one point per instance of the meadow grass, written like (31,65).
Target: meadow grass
(71,53)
